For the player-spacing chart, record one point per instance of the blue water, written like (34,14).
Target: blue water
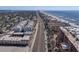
(71,16)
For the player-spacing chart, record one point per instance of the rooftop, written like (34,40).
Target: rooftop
(71,38)
(74,31)
(16,38)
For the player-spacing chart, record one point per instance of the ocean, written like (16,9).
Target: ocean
(70,16)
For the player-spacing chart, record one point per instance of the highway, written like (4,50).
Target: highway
(39,45)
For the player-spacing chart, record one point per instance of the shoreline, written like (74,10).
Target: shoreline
(61,20)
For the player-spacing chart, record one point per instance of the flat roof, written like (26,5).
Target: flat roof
(18,33)
(26,37)
(8,37)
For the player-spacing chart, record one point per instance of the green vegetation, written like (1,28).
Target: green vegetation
(51,30)
(10,19)
(49,45)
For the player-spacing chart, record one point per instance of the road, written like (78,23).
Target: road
(39,45)
(46,43)
(32,41)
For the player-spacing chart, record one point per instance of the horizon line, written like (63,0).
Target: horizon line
(39,8)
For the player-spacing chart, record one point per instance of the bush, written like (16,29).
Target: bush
(49,45)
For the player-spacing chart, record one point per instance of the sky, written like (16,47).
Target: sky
(39,7)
